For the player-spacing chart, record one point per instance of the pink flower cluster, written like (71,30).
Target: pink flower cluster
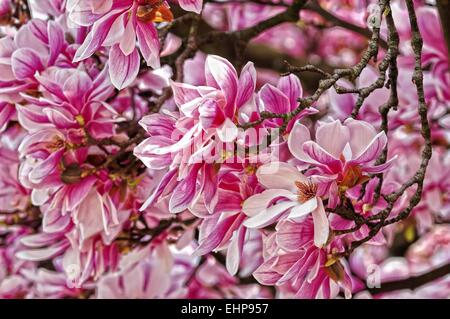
(138,162)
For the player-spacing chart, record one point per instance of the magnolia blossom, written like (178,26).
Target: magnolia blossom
(288,190)
(306,270)
(225,149)
(343,153)
(117,24)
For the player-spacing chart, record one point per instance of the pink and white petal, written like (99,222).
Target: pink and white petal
(247,84)
(44,253)
(46,167)
(222,75)
(290,85)
(149,44)
(123,69)
(292,236)
(39,240)
(333,137)
(184,192)
(182,143)
(234,251)
(98,35)
(380,168)
(88,216)
(228,132)
(361,134)
(59,119)
(25,63)
(210,113)
(78,192)
(259,202)
(279,175)
(191,5)
(265,274)
(299,135)
(76,88)
(269,215)
(321,225)
(184,93)
(56,39)
(273,100)
(216,236)
(169,176)
(171,44)
(128,40)
(321,156)
(373,149)
(303,209)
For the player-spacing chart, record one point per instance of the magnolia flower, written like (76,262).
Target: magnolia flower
(310,272)
(185,142)
(117,24)
(343,153)
(37,46)
(287,190)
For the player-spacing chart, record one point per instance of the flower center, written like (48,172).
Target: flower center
(154,11)
(353,176)
(306,190)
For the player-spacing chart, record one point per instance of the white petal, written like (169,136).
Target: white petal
(269,215)
(279,175)
(321,225)
(304,208)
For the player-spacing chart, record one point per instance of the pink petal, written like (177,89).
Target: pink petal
(290,85)
(184,93)
(184,192)
(191,5)
(211,114)
(298,136)
(44,253)
(265,274)
(361,134)
(216,236)
(88,215)
(56,36)
(321,156)
(76,88)
(25,63)
(59,119)
(149,43)
(333,137)
(228,132)
(78,192)
(97,36)
(273,100)
(291,236)
(247,84)
(380,168)
(46,167)
(128,40)
(373,150)
(159,189)
(123,69)
(221,74)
